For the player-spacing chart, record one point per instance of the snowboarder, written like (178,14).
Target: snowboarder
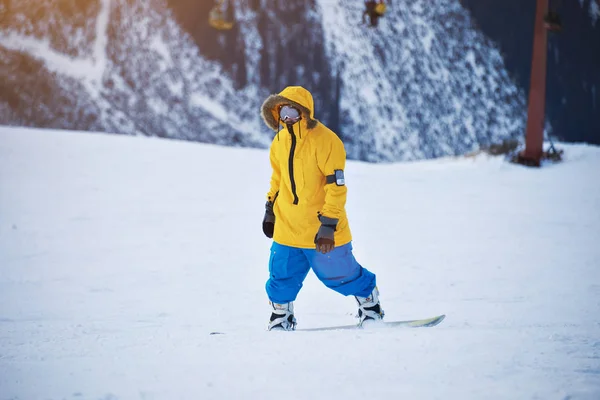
(305,211)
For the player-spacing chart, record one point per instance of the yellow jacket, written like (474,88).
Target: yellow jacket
(303,163)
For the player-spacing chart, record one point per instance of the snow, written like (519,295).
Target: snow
(89,70)
(54,60)
(217,110)
(101,44)
(412,67)
(160,46)
(119,255)
(594,10)
(422,58)
(477,70)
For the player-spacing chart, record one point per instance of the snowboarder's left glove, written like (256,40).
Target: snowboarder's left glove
(324,237)
(268,224)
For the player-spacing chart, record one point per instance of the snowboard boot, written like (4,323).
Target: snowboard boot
(282,318)
(369,309)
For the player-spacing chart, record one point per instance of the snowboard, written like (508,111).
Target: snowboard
(413,323)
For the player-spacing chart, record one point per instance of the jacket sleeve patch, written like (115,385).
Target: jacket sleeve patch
(339,177)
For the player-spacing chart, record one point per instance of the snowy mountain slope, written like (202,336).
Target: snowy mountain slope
(426,81)
(114,269)
(122,67)
(425,84)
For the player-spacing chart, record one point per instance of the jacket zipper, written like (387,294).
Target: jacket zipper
(291,164)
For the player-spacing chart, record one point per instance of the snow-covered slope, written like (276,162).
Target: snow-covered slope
(424,84)
(119,255)
(425,81)
(118,66)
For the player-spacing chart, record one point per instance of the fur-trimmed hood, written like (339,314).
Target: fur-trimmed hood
(296,96)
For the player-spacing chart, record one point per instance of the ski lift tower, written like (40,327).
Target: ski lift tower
(534,135)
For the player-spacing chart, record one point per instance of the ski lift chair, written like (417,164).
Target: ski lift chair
(217,20)
(553,22)
(374,9)
(552,19)
(380,8)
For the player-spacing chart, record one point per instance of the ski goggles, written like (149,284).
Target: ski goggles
(289,115)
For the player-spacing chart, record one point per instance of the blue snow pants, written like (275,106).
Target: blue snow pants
(338,270)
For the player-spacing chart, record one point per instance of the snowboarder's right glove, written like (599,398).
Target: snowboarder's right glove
(324,237)
(269,220)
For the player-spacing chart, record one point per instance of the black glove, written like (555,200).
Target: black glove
(324,237)
(269,220)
